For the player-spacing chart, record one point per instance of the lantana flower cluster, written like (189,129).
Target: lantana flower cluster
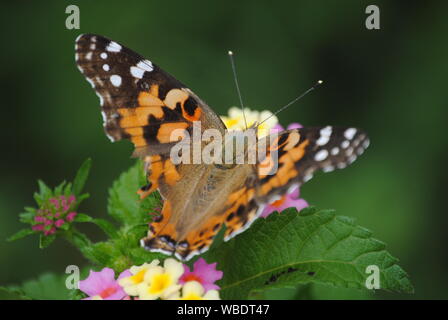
(150,281)
(54,214)
(235,121)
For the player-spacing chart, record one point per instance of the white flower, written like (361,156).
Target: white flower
(235,120)
(193,290)
(131,284)
(161,282)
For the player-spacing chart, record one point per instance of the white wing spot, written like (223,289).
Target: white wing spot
(137,72)
(106,67)
(334,151)
(365,144)
(113,47)
(352,159)
(349,151)
(345,144)
(89,55)
(103,55)
(145,65)
(341,165)
(92,46)
(325,134)
(328,169)
(308,177)
(321,155)
(349,133)
(116,80)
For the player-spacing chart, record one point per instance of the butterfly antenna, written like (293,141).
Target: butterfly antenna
(232,62)
(318,83)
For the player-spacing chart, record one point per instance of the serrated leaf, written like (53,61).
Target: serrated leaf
(102,253)
(81,177)
(124,204)
(314,246)
(140,256)
(107,227)
(21,234)
(47,287)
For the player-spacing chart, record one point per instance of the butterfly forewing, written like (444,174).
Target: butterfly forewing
(139,101)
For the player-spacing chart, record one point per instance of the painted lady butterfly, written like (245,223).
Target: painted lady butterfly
(143,103)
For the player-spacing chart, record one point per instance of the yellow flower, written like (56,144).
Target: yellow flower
(161,282)
(131,284)
(235,120)
(193,290)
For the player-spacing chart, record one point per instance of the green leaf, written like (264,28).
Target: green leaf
(47,287)
(45,241)
(140,256)
(288,249)
(82,217)
(21,234)
(11,294)
(78,239)
(81,177)
(27,217)
(44,191)
(124,204)
(105,225)
(59,190)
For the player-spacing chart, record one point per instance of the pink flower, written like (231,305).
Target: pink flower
(288,200)
(71,216)
(51,215)
(59,223)
(103,285)
(205,274)
(278,127)
(50,232)
(38,227)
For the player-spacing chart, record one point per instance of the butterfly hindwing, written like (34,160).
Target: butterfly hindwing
(139,100)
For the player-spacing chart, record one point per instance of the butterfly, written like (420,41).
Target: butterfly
(144,104)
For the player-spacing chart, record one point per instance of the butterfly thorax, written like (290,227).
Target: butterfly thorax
(238,148)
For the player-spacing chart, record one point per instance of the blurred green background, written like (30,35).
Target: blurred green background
(391,82)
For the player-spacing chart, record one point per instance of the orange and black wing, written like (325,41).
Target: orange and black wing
(294,155)
(139,100)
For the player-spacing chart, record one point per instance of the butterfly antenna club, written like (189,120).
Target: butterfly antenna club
(318,83)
